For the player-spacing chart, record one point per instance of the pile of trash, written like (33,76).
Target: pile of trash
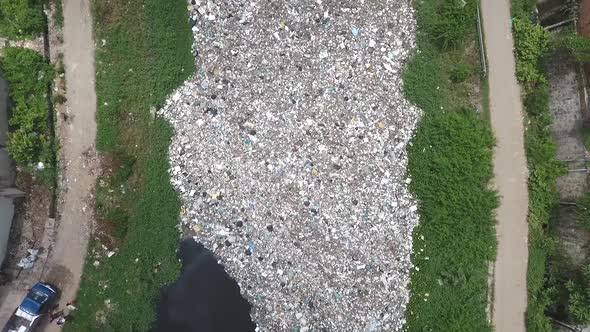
(290,157)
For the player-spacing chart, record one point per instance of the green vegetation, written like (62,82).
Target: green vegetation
(21,19)
(144,57)
(451,166)
(58,14)
(576,44)
(447,22)
(461,72)
(579,297)
(29,77)
(586,133)
(583,211)
(532,45)
(523,9)
(544,170)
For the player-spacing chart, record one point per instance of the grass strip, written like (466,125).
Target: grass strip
(141,58)
(450,161)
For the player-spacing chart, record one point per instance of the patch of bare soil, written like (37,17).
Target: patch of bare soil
(105,230)
(28,227)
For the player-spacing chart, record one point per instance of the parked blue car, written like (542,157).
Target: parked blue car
(34,306)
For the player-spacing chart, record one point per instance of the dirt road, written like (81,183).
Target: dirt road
(510,288)
(78,134)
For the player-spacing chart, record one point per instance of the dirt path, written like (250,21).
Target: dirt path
(510,288)
(77,152)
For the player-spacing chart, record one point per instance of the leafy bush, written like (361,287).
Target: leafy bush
(536,102)
(532,45)
(461,72)
(523,8)
(576,44)
(579,297)
(29,77)
(24,146)
(27,72)
(20,19)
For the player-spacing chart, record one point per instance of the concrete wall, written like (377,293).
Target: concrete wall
(6,216)
(567,111)
(7,173)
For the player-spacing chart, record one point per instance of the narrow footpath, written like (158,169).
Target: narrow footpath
(510,170)
(77,134)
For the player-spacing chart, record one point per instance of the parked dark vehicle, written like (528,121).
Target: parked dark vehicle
(34,306)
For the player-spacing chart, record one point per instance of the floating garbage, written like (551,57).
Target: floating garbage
(289,155)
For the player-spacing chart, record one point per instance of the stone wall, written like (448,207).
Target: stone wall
(566,109)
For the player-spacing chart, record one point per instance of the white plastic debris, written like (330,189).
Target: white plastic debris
(28,261)
(290,157)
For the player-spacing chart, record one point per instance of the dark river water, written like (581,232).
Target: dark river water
(204,298)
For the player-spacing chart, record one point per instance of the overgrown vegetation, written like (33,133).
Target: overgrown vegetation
(577,45)
(58,13)
(144,57)
(532,46)
(21,19)
(583,211)
(579,297)
(544,170)
(450,162)
(30,143)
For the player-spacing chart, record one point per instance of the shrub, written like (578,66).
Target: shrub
(29,77)
(27,72)
(574,43)
(24,147)
(579,297)
(532,44)
(537,101)
(461,72)
(523,8)
(20,19)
